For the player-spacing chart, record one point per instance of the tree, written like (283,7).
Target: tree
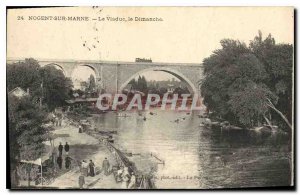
(55,87)
(163,90)
(179,91)
(25,75)
(133,84)
(251,103)
(221,71)
(278,60)
(26,130)
(248,85)
(92,83)
(139,83)
(44,83)
(143,84)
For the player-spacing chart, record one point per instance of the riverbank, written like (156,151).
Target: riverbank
(83,147)
(212,158)
(141,165)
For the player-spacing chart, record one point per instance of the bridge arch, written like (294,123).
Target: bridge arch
(81,72)
(191,86)
(58,67)
(91,67)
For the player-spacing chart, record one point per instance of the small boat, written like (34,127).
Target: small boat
(107,132)
(231,127)
(208,123)
(265,128)
(227,126)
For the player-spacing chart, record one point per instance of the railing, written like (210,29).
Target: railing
(122,160)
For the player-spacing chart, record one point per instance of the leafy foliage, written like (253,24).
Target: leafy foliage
(92,83)
(240,80)
(140,84)
(23,74)
(26,130)
(47,82)
(56,87)
(249,104)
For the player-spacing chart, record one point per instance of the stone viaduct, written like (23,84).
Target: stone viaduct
(113,76)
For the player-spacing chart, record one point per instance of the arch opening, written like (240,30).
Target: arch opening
(84,77)
(175,80)
(58,67)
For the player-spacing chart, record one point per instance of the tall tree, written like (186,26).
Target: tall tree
(248,85)
(221,71)
(133,84)
(55,87)
(26,130)
(92,83)
(144,87)
(23,74)
(278,60)
(139,83)
(47,83)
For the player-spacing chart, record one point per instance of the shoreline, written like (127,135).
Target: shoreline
(103,136)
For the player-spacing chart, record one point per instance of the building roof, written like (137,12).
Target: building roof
(18,92)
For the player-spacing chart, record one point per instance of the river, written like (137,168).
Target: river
(198,157)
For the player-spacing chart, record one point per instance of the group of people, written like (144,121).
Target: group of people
(60,156)
(57,119)
(128,179)
(88,169)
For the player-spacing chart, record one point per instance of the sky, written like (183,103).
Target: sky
(186,34)
(157,76)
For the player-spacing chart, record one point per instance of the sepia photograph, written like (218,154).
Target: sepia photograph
(144,98)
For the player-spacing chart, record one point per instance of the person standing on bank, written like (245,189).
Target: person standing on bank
(67,148)
(132,181)
(68,162)
(80,129)
(105,166)
(125,178)
(84,168)
(60,149)
(59,162)
(81,181)
(92,168)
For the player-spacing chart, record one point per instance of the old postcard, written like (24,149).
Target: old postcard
(150,97)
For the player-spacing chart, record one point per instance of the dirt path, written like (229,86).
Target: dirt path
(83,147)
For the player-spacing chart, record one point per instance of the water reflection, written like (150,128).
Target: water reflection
(197,157)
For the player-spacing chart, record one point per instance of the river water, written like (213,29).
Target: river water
(198,157)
